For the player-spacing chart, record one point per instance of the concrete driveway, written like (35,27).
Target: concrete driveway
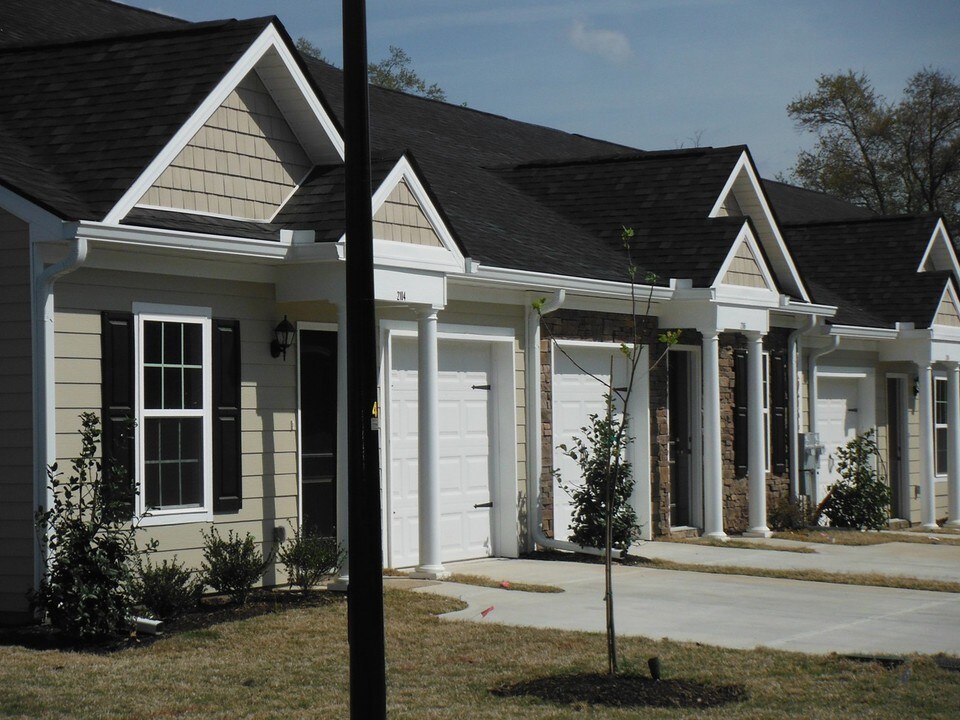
(732,610)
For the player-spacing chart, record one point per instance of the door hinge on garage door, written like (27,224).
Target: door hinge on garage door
(479,387)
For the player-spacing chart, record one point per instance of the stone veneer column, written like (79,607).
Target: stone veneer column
(712,457)
(928,498)
(428,450)
(756,445)
(953,445)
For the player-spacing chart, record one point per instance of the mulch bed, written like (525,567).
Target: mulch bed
(624,690)
(212,610)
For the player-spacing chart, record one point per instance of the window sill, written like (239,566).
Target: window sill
(176,518)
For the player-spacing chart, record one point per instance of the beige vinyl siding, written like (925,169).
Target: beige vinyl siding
(947,313)
(244,162)
(745,270)
(16,419)
(401,219)
(268,393)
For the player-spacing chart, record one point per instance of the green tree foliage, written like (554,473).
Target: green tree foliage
(890,157)
(861,498)
(308,48)
(603,470)
(89,588)
(394,72)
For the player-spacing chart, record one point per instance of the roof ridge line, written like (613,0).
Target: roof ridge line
(187,28)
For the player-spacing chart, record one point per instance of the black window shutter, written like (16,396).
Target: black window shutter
(227,483)
(117,413)
(740,426)
(778,413)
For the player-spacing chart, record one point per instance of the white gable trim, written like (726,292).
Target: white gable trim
(747,238)
(940,234)
(745,167)
(951,296)
(269,39)
(448,257)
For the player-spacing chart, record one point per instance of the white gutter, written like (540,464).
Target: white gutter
(597,288)
(44,376)
(813,393)
(531,358)
(793,364)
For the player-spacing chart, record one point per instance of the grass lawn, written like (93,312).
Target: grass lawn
(293,664)
(853,537)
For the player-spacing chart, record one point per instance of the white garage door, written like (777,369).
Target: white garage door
(464,420)
(838,419)
(578,392)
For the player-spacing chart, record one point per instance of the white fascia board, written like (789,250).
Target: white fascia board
(548,281)
(744,165)
(44,225)
(268,39)
(805,308)
(867,333)
(940,234)
(276,250)
(387,253)
(746,236)
(403,170)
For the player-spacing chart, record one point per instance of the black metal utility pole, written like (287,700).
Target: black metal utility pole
(368,679)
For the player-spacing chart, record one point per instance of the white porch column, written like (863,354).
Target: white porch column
(756,447)
(428,449)
(342,582)
(712,459)
(953,445)
(928,500)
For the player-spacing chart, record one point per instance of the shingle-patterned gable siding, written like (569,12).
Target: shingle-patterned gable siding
(745,270)
(16,405)
(243,162)
(947,313)
(85,119)
(401,219)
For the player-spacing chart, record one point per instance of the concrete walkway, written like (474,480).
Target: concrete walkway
(733,610)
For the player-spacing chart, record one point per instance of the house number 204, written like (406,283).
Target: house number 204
(401,295)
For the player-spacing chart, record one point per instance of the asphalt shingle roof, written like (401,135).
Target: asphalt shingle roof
(868,268)
(32,22)
(87,117)
(793,204)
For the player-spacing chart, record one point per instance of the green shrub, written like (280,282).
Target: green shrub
(787,514)
(309,558)
(601,451)
(168,590)
(861,498)
(88,589)
(234,565)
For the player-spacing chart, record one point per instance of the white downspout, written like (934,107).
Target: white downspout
(793,359)
(812,404)
(44,376)
(531,357)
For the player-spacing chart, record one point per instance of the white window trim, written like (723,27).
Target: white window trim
(175,313)
(767,429)
(938,378)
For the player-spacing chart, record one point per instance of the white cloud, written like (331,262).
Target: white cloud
(609,44)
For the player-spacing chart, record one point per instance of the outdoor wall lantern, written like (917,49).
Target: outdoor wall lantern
(283,338)
(916,386)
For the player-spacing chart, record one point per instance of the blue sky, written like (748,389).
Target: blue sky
(654,74)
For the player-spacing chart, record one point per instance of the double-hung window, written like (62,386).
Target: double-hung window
(175,413)
(940,426)
(176,372)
